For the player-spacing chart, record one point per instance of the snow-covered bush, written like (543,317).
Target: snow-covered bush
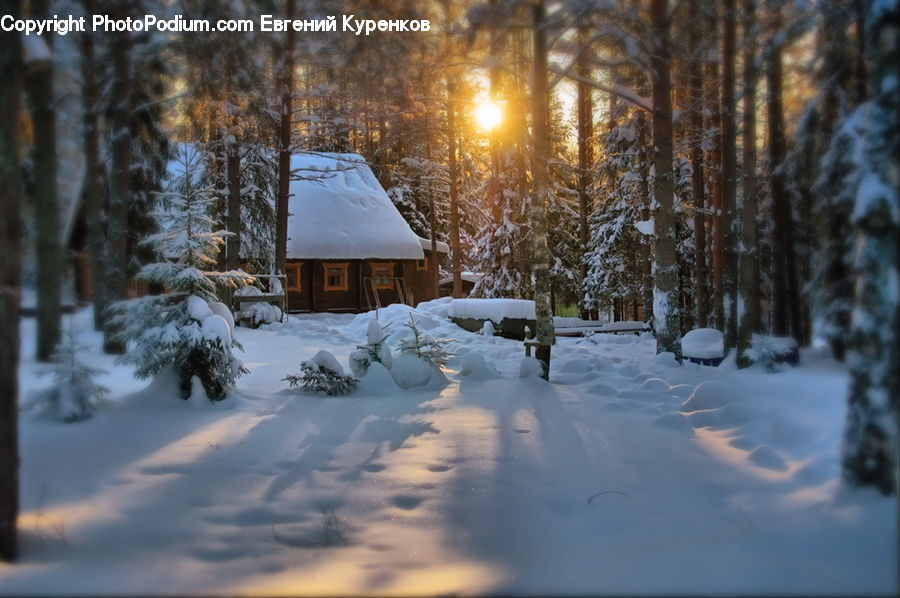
(186,327)
(376,350)
(74,394)
(424,346)
(770,352)
(322,374)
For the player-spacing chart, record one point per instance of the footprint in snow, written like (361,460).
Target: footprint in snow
(406,502)
(764,456)
(439,468)
(675,422)
(374,467)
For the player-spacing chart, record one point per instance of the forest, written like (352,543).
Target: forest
(729,165)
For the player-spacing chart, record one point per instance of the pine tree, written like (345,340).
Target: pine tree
(424,346)
(187,326)
(322,374)
(74,394)
(871,444)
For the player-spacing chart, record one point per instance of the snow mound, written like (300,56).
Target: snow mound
(220,309)
(472,365)
(377,381)
(676,422)
(436,307)
(375,332)
(326,360)
(655,385)
(215,327)
(392,319)
(603,390)
(410,371)
(703,343)
(764,456)
(711,395)
(579,365)
(491,309)
(531,366)
(665,359)
(198,308)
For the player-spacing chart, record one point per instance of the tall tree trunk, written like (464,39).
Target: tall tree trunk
(785,295)
(233,246)
(585,158)
(871,452)
(540,192)
(284,150)
(729,220)
(713,171)
(456,265)
(10,255)
(698,184)
(39,85)
(120,179)
(749,291)
(92,192)
(233,173)
(665,291)
(646,240)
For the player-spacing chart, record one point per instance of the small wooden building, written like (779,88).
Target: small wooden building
(348,247)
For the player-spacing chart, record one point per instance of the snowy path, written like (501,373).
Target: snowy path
(607,480)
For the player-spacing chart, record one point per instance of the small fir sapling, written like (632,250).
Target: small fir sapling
(376,350)
(186,328)
(74,395)
(322,374)
(425,347)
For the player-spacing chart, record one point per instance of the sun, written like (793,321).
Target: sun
(488,114)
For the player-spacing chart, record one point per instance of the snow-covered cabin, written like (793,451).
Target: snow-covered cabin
(348,247)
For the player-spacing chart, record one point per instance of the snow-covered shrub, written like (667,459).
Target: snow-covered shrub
(259,313)
(376,350)
(322,374)
(74,394)
(424,346)
(187,326)
(770,352)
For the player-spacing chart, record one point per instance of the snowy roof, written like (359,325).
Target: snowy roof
(441,246)
(472,277)
(338,210)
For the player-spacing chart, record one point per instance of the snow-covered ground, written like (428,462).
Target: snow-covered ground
(626,473)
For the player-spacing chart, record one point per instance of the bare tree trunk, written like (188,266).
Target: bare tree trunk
(749,267)
(540,192)
(284,150)
(233,173)
(646,240)
(729,220)
(585,158)
(10,256)
(785,300)
(454,192)
(92,192)
(698,185)
(713,171)
(871,452)
(120,179)
(39,85)
(665,291)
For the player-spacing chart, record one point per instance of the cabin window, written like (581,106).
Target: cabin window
(292,271)
(382,274)
(336,278)
(422,264)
